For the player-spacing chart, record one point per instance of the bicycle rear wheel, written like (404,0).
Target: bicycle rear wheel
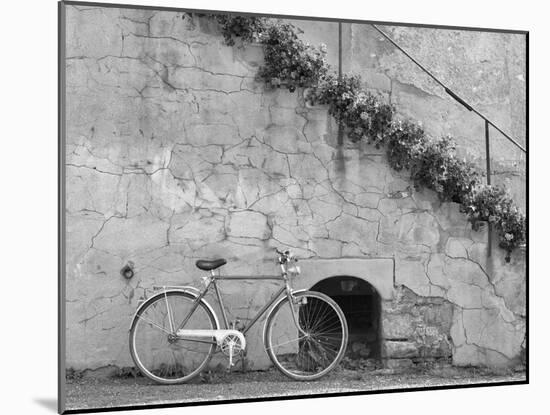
(156,351)
(315,352)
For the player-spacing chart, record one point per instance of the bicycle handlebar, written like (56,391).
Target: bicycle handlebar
(285,256)
(281,252)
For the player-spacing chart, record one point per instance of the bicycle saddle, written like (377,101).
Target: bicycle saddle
(208,265)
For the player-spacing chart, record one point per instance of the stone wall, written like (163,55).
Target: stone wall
(417,329)
(174,152)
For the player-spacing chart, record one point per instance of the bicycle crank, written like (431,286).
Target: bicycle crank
(231,346)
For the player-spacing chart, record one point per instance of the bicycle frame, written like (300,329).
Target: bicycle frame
(211,281)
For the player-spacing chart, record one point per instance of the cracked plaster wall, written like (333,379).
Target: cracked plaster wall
(174,153)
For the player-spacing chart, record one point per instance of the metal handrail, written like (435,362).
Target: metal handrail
(449,91)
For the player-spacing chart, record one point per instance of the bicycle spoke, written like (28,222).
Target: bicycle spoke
(153,324)
(320,318)
(327,328)
(319,343)
(169,312)
(290,341)
(311,311)
(322,323)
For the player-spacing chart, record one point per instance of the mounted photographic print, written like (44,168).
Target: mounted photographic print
(257,207)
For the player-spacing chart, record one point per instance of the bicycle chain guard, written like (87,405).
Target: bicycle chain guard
(230,342)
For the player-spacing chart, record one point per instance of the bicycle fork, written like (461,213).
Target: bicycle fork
(291,301)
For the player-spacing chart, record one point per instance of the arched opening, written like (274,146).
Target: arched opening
(360,303)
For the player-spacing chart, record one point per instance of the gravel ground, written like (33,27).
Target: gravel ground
(108,392)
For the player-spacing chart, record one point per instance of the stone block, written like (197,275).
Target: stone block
(424,232)
(397,326)
(94,34)
(458,247)
(305,166)
(283,98)
(513,289)
(196,230)
(283,139)
(326,247)
(465,295)
(488,330)
(412,274)
(450,218)
(440,349)
(125,236)
(103,194)
(205,134)
(353,229)
(251,54)
(400,349)
(287,237)
(398,364)
(468,355)
(197,79)
(248,224)
(437,272)
(220,58)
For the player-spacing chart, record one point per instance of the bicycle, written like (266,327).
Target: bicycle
(174,333)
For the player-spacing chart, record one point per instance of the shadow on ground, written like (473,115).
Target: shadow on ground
(47,403)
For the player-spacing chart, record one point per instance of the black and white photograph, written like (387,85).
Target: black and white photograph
(276,206)
(215,206)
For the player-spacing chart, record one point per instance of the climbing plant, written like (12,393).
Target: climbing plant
(364,115)
(492,204)
(289,61)
(433,163)
(248,28)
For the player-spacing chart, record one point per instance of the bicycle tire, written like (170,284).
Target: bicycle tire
(157,371)
(300,358)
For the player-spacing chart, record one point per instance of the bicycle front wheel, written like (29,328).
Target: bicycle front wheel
(317,346)
(157,351)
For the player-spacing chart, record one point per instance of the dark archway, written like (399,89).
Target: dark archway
(360,303)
